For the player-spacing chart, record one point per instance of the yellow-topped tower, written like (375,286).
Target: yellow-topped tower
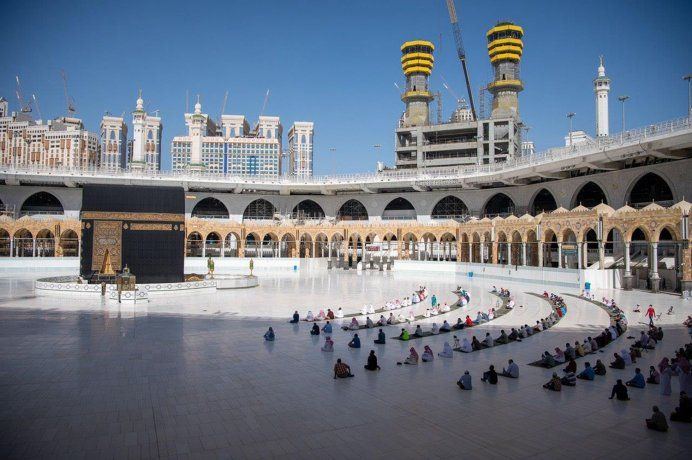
(505,48)
(417,63)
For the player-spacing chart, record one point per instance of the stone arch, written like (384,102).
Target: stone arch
(641,233)
(253,245)
(23,243)
(4,243)
(448,247)
(399,209)
(590,247)
(269,245)
(321,245)
(650,187)
(409,246)
(231,245)
(42,203)
(542,201)
(450,207)
(287,246)
(498,205)
(194,244)
(550,248)
(516,248)
(352,210)
(308,209)
(569,249)
(531,248)
(589,195)
(69,243)
(306,246)
(673,233)
(210,208)
(259,209)
(212,245)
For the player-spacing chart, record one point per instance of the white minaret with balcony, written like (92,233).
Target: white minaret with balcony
(139,118)
(601,87)
(196,129)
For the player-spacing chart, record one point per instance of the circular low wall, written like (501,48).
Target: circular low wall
(235,281)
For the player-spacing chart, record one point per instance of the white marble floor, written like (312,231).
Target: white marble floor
(190,377)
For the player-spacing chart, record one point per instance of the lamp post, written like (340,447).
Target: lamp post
(622,100)
(570,115)
(688,77)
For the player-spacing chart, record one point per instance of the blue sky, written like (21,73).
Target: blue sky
(335,62)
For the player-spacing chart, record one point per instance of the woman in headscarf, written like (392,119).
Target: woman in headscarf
(466,346)
(666,375)
(354,325)
(412,357)
(435,329)
(321,316)
(665,363)
(328,345)
(310,317)
(447,351)
(559,356)
(475,344)
(626,357)
(411,315)
(428,354)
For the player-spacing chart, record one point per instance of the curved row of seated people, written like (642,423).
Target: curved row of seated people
(588,346)
(481,318)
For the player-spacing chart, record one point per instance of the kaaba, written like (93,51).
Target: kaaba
(135,228)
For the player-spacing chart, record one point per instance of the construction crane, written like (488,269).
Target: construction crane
(71,109)
(24,108)
(264,106)
(38,109)
(460,51)
(223,107)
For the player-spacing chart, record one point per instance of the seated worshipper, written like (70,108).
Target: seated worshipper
(512,370)
(411,315)
(479,318)
(328,345)
(428,354)
(382,321)
(494,290)
(643,341)
(548,360)
(355,342)
(418,332)
(468,347)
(459,325)
(626,357)
(513,335)
(445,327)
(412,357)
(555,384)
(381,339)
(339,313)
(469,321)
(579,349)
(475,344)
(372,362)
(559,356)
(296,317)
(599,368)
(330,313)
(364,310)
(445,308)
(635,353)
(368,323)
(654,376)
(315,329)
(310,317)
(435,329)
(327,328)
(503,337)
(427,313)
(527,330)
(353,326)
(269,335)
(371,309)
(587,373)
(571,366)
(415,298)
(619,391)
(456,344)
(342,370)
(391,319)
(491,314)
(613,333)
(682,413)
(400,318)
(638,380)
(404,334)
(657,421)
(465,381)
(488,341)
(537,327)
(594,344)
(490,376)
(569,379)
(570,352)
(586,346)
(447,351)
(321,316)
(619,363)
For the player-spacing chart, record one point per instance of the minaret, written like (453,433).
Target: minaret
(139,117)
(417,63)
(601,87)
(197,122)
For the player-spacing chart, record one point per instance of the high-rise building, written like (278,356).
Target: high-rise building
(601,88)
(114,153)
(146,139)
(300,148)
(4,107)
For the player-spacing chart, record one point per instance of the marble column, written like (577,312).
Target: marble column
(523,254)
(601,255)
(539,250)
(627,280)
(580,250)
(559,255)
(223,248)
(12,254)
(655,279)
(509,253)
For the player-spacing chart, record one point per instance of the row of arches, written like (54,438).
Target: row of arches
(22,243)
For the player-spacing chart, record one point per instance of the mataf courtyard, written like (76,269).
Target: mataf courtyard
(190,376)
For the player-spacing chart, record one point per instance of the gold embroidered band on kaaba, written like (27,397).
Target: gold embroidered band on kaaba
(134,216)
(108,241)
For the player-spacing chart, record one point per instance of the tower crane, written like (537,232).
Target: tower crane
(38,109)
(264,106)
(460,51)
(223,107)
(71,109)
(24,108)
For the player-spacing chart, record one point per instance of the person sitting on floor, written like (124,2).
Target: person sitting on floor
(488,341)
(372,362)
(456,344)
(548,360)
(342,370)
(428,354)
(355,342)
(447,351)
(638,380)
(559,356)
(599,368)
(404,334)
(368,323)
(391,319)
(579,350)
(445,308)
(330,313)
(435,329)
(682,413)
(654,376)
(418,332)
(411,316)
(643,341)
(513,334)
(328,345)
(381,339)
(321,316)
(296,317)
(626,357)
(469,321)
(327,328)
(466,346)
(382,321)
(569,379)
(465,381)
(537,327)
(512,370)
(490,376)
(475,344)
(412,357)
(657,421)
(503,337)
(586,346)
(339,313)
(554,384)
(445,327)
(315,330)
(571,366)
(353,325)
(527,331)
(459,324)
(619,363)
(635,353)
(587,373)
(310,317)
(619,391)
(570,352)
(594,344)
(269,335)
